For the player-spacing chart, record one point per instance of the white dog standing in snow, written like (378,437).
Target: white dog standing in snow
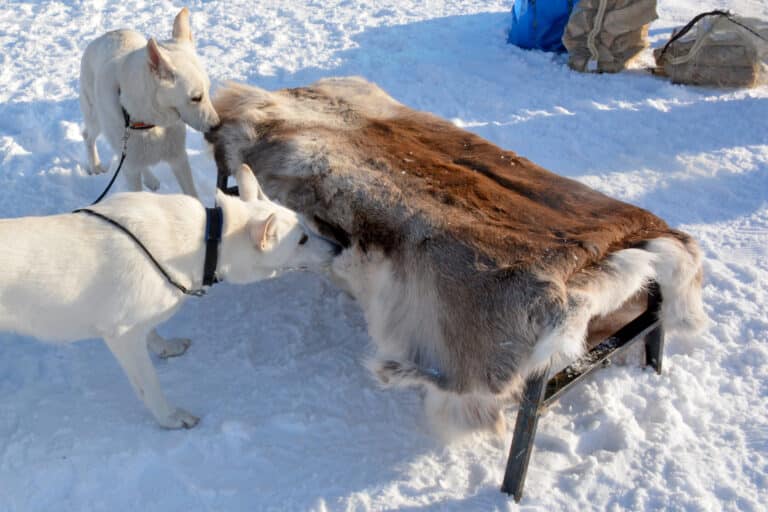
(157,88)
(75,276)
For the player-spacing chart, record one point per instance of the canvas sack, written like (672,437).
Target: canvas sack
(719,49)
(605,35)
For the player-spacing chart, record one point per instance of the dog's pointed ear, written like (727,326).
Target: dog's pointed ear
(158,63)
(263,233)
(248,185)
(182,31)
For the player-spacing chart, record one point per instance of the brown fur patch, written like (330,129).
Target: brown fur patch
(504,206)
(507,210)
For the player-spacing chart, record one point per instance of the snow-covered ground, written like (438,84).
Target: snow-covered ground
(290,419)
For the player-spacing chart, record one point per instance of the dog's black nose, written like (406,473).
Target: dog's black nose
(209,135)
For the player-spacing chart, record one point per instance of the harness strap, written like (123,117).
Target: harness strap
(214,222)
(211,248)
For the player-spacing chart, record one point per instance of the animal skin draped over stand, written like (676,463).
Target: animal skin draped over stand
(465,257)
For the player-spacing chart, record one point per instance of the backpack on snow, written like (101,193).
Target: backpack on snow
(716,48)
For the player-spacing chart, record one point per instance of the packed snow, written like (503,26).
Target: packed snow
(290,418)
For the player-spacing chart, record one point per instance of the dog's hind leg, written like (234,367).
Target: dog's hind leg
(166,348)
(130,350)
(183,173)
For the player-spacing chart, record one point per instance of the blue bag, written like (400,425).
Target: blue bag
(539,24)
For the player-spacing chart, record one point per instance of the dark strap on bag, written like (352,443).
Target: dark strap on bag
(687,28)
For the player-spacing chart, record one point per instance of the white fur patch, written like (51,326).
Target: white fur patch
(402,317)
(678,272)
(666,260)
(452,415)
(626,272)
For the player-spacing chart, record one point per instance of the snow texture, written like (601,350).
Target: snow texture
(290,418)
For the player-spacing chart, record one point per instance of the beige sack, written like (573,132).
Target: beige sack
(604,35)
(717,49)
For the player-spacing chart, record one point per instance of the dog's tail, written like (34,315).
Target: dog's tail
(675,265)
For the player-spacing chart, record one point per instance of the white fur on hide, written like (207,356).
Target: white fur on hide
(674,266)
(474,266)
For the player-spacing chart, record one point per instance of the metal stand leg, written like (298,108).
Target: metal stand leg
(654,340)
(522,440)
(541,392)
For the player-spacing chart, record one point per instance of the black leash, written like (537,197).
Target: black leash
(127,126)
(687,28)
(214,221)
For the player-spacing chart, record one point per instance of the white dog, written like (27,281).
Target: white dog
(155,88)
(75,276)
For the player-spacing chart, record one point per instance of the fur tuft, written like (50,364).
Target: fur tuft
(622,275)
(453,416)
(450,415)
(392,373)
(679,273)
(674,265)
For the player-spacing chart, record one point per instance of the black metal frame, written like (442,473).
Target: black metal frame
(542,391)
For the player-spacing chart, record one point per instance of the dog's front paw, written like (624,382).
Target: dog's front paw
(180,418)
(173,347)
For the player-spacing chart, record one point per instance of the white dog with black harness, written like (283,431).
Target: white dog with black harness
(117,270)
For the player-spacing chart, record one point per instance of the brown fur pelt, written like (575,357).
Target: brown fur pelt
(475,267)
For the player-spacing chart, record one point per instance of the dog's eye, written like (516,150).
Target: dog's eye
(304,239)
(196,99)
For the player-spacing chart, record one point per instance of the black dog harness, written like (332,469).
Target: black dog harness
(214,222)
